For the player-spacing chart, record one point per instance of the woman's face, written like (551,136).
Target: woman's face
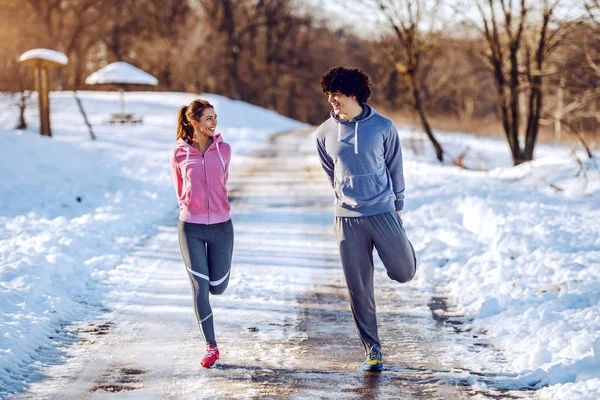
(206,124)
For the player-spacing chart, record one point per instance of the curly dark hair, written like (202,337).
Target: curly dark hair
(348,81)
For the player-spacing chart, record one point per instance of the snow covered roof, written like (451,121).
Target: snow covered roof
(52,57)
(121,72)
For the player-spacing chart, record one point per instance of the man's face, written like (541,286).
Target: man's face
(340,102)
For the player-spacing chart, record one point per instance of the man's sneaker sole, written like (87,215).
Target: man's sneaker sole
(372,367)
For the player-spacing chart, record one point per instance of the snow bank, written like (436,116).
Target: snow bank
(518,250)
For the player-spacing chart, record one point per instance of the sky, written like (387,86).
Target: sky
(366,21)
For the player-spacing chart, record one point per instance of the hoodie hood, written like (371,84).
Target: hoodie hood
(366,113)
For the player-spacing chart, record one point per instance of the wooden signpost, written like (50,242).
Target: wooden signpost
(41,60)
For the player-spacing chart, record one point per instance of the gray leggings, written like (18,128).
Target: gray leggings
(207,252)
(356,238)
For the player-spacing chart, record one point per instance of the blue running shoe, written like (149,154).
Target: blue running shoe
(374,361)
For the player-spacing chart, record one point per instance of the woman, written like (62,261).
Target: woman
(200,166)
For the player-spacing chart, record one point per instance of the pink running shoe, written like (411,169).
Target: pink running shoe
(212,355)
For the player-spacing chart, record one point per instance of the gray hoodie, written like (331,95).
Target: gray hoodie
(363,160)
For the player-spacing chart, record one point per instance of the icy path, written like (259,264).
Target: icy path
(284,325)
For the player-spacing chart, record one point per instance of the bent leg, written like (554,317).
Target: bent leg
(219,243)
(193,250)
(356,254)
(394,248)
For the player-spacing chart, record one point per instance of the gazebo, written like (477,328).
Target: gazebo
(121,74)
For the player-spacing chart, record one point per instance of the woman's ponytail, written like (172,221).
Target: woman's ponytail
(185,129)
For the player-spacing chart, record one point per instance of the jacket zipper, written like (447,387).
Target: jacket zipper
(206,183)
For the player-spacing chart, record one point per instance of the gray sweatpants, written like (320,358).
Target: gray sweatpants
(356,238)
(207,252)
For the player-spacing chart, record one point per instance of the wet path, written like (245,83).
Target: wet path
(284,325)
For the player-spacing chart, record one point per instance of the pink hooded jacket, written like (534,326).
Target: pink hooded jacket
(200,181)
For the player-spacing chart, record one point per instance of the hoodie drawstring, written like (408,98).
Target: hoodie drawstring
(220,157)
(187,156)
(356,138)
(355,135)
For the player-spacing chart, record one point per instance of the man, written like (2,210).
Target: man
(360,152)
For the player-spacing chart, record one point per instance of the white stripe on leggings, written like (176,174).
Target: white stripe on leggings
(198,274)
(209,315)
(217,283)
(212,283)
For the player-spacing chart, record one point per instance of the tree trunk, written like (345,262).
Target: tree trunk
(559,109)
(503,101)
(234,73)
(232,56)
(83,113)
(292,111)
(416,96)
(22,106)
(536,93)
(513,91)
(533,122)
(270,27)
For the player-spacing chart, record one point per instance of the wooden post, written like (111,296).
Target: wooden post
(44,94)
(558,113)
(122,100)
(37,75)
(41,60)
(41,87)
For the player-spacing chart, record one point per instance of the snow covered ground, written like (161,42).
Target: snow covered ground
(516,248)
(72,208)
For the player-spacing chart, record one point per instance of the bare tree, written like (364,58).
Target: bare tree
(121,24)
(23,102)
(593,9)
(517,51)
(68,26)
(237,21)
(271,53)
(578,93)
(278,23)
(163,25)
(406,18)
(16,82)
